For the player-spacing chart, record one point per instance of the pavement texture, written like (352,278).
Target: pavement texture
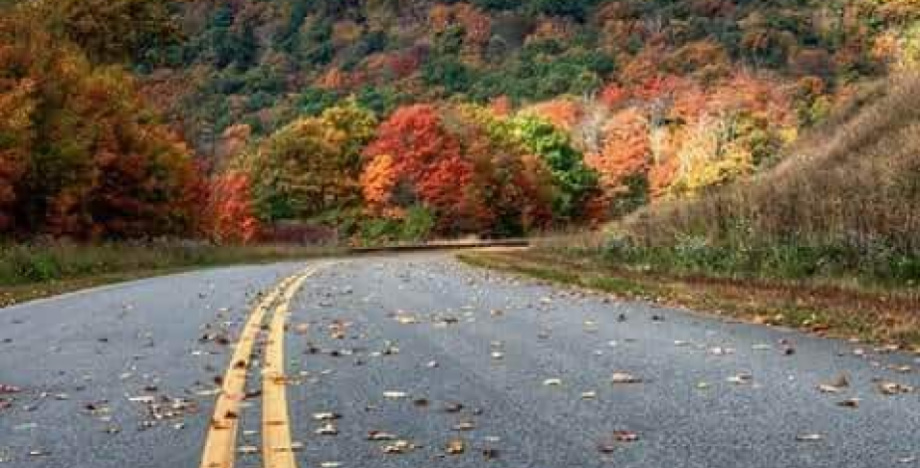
(416,360)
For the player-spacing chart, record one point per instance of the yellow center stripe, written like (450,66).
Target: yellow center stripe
(277,449)
(220,447)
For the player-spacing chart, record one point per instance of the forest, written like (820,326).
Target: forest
(377,120)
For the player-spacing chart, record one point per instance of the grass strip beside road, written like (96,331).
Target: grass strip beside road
(29,272)
(887,317)
(35,271)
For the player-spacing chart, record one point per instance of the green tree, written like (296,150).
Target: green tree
(576,182)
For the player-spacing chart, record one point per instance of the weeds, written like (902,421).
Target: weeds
(846,202)
(49,261)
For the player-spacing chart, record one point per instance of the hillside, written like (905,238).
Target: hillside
(383,119)
(845,202)
(826,241)
(264,62)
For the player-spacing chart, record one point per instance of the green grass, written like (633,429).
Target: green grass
(877,315)
(30,271)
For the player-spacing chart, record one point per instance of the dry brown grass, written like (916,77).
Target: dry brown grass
(854,182)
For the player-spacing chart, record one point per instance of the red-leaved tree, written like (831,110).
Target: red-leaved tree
(232,212)
(427,165)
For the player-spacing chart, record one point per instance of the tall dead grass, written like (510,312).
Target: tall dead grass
(853,183)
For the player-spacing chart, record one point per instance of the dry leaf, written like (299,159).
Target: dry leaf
(399,447)
(327,430)
(850,403)
(455,447)
(380,436)
(625,436)
(465,426)
(327,416)
(624,378)
(894,388)
(740,379)
(248,450)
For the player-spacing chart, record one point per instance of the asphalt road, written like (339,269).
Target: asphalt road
(448,366)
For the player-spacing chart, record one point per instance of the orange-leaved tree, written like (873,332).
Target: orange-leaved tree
(427,164)
(83,155)
(231,210)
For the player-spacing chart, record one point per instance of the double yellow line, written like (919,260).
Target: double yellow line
(277,450)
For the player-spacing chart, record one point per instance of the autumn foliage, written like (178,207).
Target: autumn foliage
(427,166)
(81,154)
(478,116)
(231,211)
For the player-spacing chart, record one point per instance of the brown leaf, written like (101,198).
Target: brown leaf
(625,436)
(399,447)
(455,447)
(624,378)
(894,388)
(849,403)
(380,436)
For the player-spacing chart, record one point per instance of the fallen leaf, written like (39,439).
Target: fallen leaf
(465,426)
(894,388)
(552,382)
(740,379)
(809,437)
(327,430)
(380,436)
(827,388)
(399,447)
(420,402)
(624,378)
(625,436)
(453,407)
(849,403)
(490,453)
(326,416)
(248,450)
(455,447)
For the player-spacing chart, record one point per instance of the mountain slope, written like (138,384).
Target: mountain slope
(846,200)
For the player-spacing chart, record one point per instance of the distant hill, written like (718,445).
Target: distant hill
(404,119)
(263,62)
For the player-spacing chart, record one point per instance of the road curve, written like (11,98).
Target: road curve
(416,360)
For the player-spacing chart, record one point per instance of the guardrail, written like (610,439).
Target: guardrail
(442,245)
